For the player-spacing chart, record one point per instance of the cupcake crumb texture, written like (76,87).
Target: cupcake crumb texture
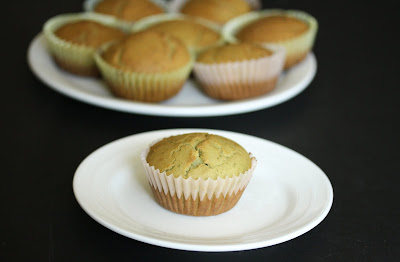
(199,155)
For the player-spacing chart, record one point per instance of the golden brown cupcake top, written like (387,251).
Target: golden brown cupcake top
(232,53)
(128,10)
(199,155)
(273,29)
(88,33)
(148,52)
(218,11)
(193,34)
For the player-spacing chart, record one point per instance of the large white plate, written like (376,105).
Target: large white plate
(190,102)
(287,196)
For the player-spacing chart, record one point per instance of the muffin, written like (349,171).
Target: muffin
(128,10)
(73,39)
(239,71)
(218,11)
(195,33)
(198,174)
(294,30)
(145,66)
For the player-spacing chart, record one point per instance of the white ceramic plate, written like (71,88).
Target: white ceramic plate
(287,196)
(190,102)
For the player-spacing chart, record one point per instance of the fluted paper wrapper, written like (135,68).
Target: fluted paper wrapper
(144,87)
(296,48)
(77,59)
(196,197)
(242,79)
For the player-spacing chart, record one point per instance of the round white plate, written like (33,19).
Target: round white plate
(287,196)
(190,102)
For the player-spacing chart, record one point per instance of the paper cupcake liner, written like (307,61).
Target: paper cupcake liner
(242,79)
(176,5)
(145,87)
(296,48)
(74,58)
(155,19)
(196,197)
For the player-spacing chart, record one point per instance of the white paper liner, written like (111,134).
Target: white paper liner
(297,45)
(176,5)
(248,71)
(200,187)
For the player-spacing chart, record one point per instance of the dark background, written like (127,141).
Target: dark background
(346,122)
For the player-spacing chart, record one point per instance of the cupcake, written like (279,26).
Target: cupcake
(128,10)
(239,71)
(198,174)
(292,29)
(217,11)
(195,33)
(145,66)
(74,38)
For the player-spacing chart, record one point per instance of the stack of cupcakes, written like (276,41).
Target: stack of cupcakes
(147,49)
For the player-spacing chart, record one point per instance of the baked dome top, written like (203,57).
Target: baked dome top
(199,155)
(148,52)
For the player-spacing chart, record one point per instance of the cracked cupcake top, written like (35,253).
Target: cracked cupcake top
(128,10)
(199,155)
(193,34)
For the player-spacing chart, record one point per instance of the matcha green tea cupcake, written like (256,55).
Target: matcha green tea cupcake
(73,39)
(238,71)
(147,66)
(293,29)
(198,174)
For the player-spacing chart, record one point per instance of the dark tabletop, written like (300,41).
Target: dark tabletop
(346,122)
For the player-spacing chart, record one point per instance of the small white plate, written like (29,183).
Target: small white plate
(287,196)
(190,102)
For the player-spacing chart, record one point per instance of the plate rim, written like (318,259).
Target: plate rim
(220,109)
(199,247)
